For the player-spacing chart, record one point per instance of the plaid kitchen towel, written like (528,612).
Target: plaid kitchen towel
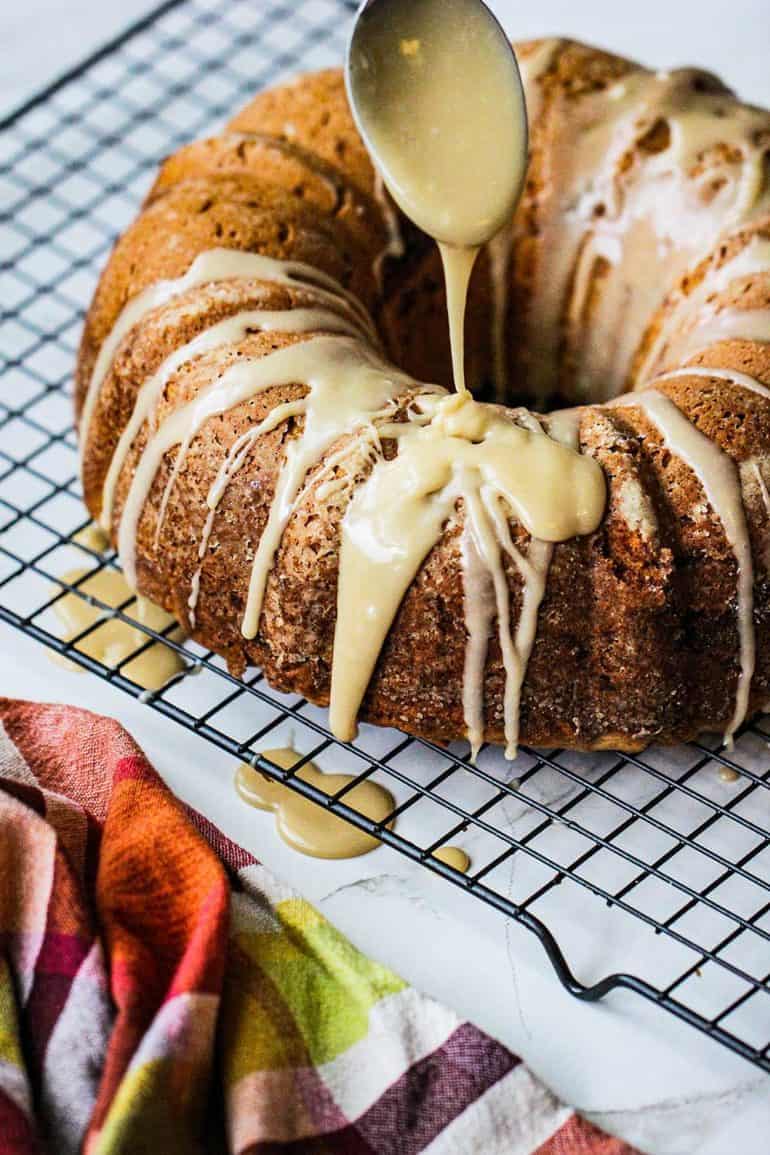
(160,992)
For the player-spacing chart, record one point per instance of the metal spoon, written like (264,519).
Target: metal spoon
(406,57)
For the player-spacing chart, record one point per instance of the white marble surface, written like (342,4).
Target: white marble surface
(668,1089)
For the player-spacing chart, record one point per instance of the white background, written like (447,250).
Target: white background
(41,38)
(664,1087)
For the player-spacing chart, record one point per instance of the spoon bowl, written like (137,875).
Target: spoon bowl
(436,94)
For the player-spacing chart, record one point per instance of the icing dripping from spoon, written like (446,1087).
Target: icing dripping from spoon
(437,97)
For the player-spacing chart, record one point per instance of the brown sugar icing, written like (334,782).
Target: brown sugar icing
(112,642)
(304,825)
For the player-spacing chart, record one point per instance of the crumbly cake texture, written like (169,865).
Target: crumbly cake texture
(637,632)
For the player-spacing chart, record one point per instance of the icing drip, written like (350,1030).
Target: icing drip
(617,233)
(532,68)
(533,570)
(236,457)
(720,480)
(479,604)
(180,429)
(214,265)
(499,252)
(349,387)
(337,370)
(487,537)
(378,564)
(687,315)
(229,331)
(92,537)
(466,452)
(458,265)
(762,487)
(487,599)
(366,449)
(395,247)
(729,325)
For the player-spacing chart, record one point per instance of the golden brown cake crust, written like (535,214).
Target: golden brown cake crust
(637,633)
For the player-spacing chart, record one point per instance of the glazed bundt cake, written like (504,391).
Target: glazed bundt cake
(633,285)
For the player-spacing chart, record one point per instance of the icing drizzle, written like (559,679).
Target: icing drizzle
(719,477)
(213,265)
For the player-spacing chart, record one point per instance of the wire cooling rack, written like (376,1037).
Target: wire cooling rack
(672,844)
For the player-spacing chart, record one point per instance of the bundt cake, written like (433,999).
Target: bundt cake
(633,285)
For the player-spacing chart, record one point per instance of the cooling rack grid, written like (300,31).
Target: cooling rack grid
(674,843)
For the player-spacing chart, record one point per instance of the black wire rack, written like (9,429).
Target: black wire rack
(672,844)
